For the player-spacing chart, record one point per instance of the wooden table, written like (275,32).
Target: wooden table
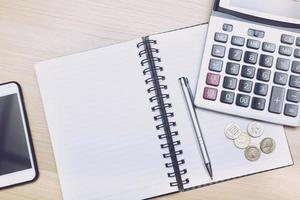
(36,30)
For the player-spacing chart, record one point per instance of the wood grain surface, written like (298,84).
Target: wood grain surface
(36,30)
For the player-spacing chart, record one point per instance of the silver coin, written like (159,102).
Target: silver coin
(267,145)
(242,141)
(252,153)
(255,129)
(232,131)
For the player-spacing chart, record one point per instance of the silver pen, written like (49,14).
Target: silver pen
(189,101)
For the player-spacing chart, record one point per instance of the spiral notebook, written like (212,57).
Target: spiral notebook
(120,128)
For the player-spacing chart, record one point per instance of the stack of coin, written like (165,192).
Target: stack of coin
(242,140)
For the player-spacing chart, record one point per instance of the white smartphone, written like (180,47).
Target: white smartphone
(17,159)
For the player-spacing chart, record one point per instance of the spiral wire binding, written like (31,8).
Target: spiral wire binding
(161,105)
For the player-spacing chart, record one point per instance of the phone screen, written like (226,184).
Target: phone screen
(14,152)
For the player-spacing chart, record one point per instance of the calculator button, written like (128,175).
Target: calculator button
(213,79)
(210,93)
(266,61)
(261,89)
(256,33)
(251,32)
(283,64)
(296,67)
(284,50)
(291,110)
(253,44)
(263,75)
(298,41)
(242,100)
(250,57)
(276,100)
(248,71)
(235,54)
(258,103)
(215,65)
(245,86)
(218,51)
(229,83)
(269,47)
(227,97)
(221,37)
(227,27)
(280,78)
(293,96)
(297,53)
(238,41)
(259,34)
(287,39)
(232,68)
(295,81)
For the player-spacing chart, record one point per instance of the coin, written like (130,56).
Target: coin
(232,131)
(252,153)
(267,145)
(242,141)
(255,129)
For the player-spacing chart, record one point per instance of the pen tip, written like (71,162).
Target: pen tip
(209,170)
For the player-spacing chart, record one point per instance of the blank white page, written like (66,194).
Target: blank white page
(101,125)
(180,52)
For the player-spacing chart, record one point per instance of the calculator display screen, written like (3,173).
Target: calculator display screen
(287,11)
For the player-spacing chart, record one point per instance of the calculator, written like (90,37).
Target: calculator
(250,70)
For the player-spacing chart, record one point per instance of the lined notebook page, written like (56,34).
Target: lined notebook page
(181,52)
(101,125)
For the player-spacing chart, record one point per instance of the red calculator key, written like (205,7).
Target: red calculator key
(213,79)
(210,93)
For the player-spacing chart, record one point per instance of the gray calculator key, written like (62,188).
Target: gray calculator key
(250,57)
(296,67)
(238,41)
(285,50)
(221,37)
(229,83)
(253,44)
(259,34)
(258,103)
(232,68)
(297,53)
(266,60)
(295,81)
(256,33)
(269,47)
(280,78)
(215,65)
(218,51)
(248,71)
(283,64)
(235,54)
(298,41)
(287,39)
(263,75)
(276,100)
(251,32)
(293,96)
(261,89)
(291,110)
(227,97)
(245,86)
(227,27)
(242,100)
